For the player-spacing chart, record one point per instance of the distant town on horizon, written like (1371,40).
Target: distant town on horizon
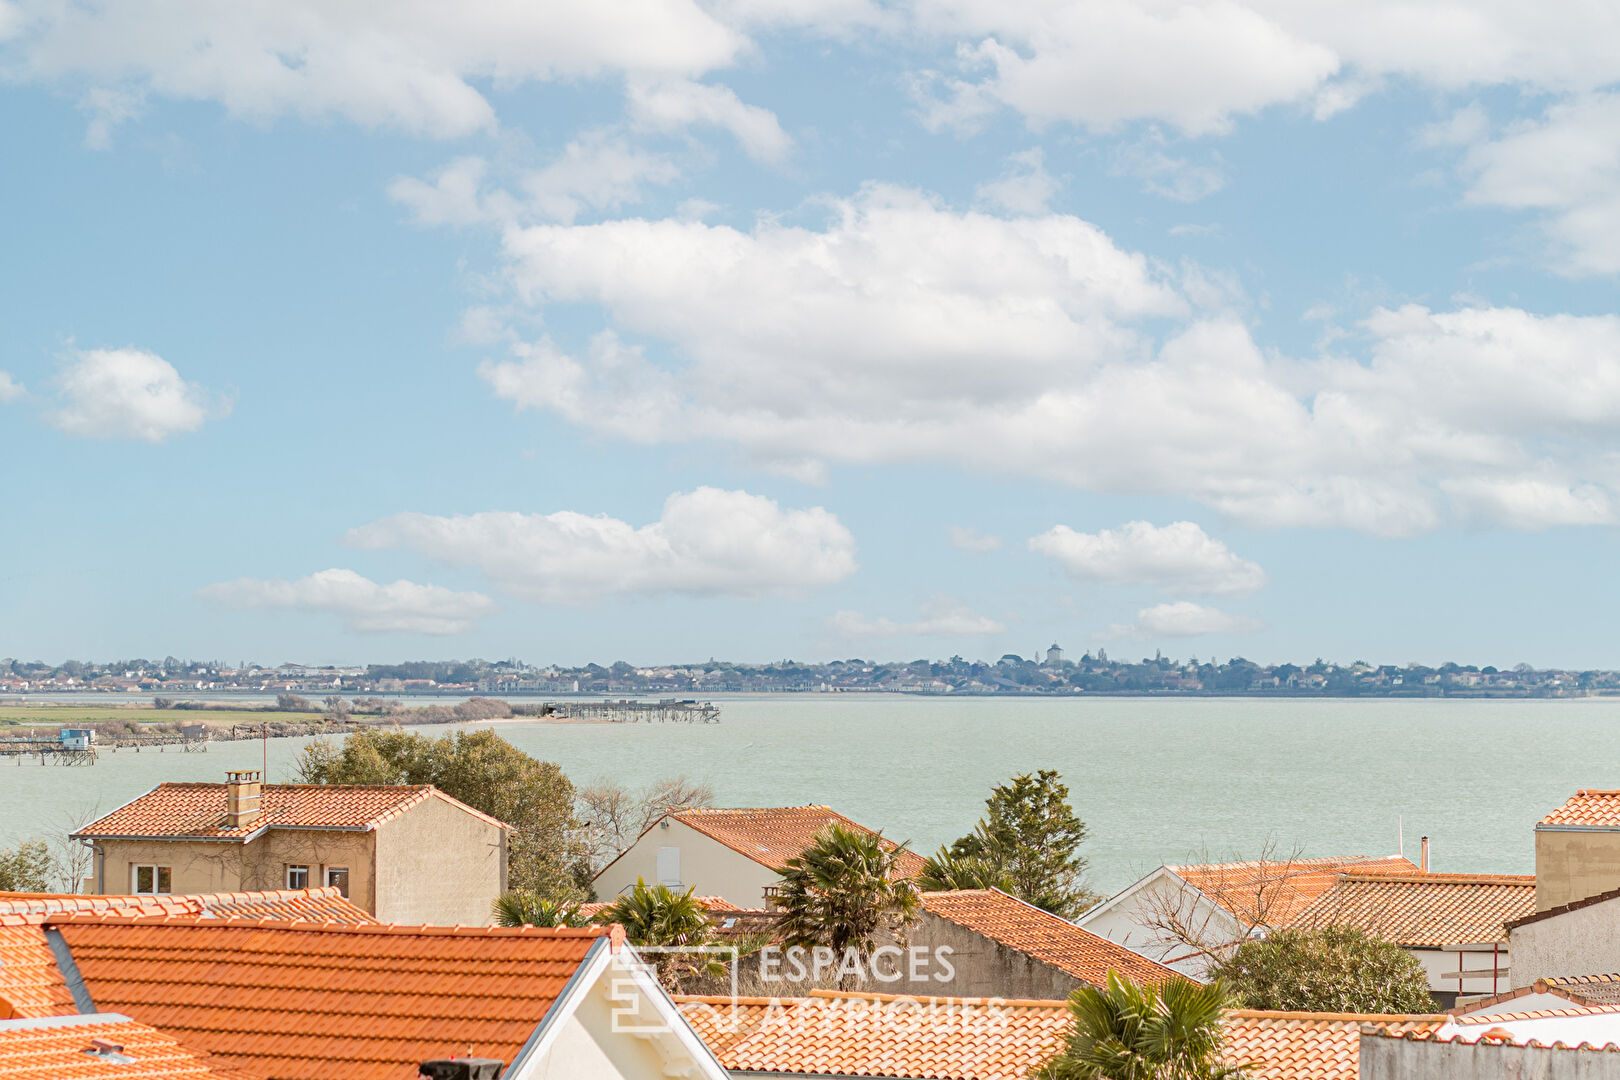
(1051,672)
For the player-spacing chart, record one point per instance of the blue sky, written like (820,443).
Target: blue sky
(660,331)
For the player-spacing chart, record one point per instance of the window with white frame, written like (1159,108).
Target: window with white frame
(339,876)
(150,880)
(297,877)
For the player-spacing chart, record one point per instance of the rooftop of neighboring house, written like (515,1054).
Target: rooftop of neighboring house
(1588,808)
(31,981)
(1589,989)
(727,920)
(1272,892)
(1425,910)
(1040,934)
(1561,909)
(833,1033)
(881,1035)
(97,1046)
(1307,1046)
(199,811)
(773,835)
(1556,989)
(326,904)
(326,1002)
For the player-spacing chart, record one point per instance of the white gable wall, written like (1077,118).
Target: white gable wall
(1123,917)
(704,863)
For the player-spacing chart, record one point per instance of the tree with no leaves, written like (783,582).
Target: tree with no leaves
(612,816)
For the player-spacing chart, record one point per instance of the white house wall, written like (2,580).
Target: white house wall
(705,863)
(1122,919)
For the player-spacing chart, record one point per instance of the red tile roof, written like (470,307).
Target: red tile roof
(1589,989)
(1306,1046)
(31,984)
(198,810)
(1042,935)
(1591,808)
(302,1001)
(773,835)
(882,1035)
(326,904)
(1272,892)
(55,1049)
(1425,910)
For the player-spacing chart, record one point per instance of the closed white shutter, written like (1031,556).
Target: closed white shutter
(669,866)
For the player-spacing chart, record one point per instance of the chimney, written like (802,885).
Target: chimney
(242,799)
(467,1068)
(1423,859)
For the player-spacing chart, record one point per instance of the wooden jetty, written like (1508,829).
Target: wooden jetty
(667,711)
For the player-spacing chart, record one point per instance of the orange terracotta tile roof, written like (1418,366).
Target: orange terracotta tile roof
(306,1001)
(773,835)
(55,1048)
(881,1035)
(1306,1046)
(30,983)
(1273,892)
(1425,910)
(198,810)
(1042,935)
(326,904)
(1590,808)
(721,1021)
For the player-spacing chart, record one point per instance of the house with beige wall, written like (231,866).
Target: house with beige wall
(404,854)
(734,854)
(1578,849)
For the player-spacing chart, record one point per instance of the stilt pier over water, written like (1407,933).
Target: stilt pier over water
(667,711)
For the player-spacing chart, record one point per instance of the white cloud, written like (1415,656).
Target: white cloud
(1182,619)
(10,389)
(707,542)
(107,109)
(940,620)
(365,605)
(409,66)
(673,105)
(1177,556)
(1567,166)
(1199,65)
(1179,178)
(1025,187)
(969,539)
(902,331)
(129,394)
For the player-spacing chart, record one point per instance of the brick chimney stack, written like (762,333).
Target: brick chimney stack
(242,799)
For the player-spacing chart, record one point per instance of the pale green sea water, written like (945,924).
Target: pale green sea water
(1155,780)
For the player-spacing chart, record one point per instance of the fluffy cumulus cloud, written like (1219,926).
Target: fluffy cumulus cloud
(1199,65)
(1566,166)
(706,542)
(905,331)
(600,170)
(129,394)
(364,605)
(937,620)
(10,389)
(408,66)
(1183,619)
(1178,556)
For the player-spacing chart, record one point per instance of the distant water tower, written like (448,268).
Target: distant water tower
(1054,655)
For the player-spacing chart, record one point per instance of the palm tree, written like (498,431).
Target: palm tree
(843,891)
(955,867)
(522,908)
(657,917)
(1132,1031)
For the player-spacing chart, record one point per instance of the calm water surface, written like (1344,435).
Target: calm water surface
(1155,780)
